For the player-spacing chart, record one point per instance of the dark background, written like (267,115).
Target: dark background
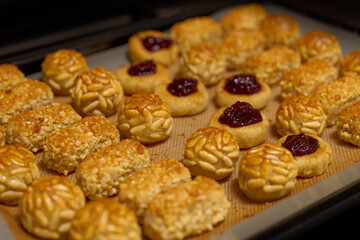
(31,29)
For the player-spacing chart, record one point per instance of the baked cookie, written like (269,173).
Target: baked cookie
(240,44)
(100,173)
(270,65)
(248,125)
(243,88)
(137,191)
(185,97)
(104,219)
(243,16)
(67,147)
(318,44)
(267,172)
(195,30)
(142,77)
(32,127)
(312,154)
(211,152)
(48,206)
(10,75)
(337,94)
(348,124)
(18,170)
(187,209)
(300,114)
(280,30)
(152,44)
(146,118)
(205,62)
(60,68)
(350,65)
(97,92)
(307,77)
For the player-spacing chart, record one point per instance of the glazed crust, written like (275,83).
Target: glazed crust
(337,94)
(138,53)
(270,65)
(100,173)
(350,65)
(258,100)
(60,68)
(267,172)
(247,136)
(312,164)
(348,124)
(145,83)
(307,77)
(185,105)
(10,75)
(178,212)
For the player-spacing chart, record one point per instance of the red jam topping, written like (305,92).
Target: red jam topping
(144,68)
(240,114)
(242,84)
(301,144)
(182,87)
(153,44)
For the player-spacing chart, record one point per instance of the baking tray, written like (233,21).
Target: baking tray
(312,200)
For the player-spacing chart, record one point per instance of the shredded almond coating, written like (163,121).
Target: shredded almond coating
(348,124)
(10,75)
(2,136)
(267,172)
(18,170)
(187,209)
(66,148)
(350,65)
(100,174)
(105,219)
(48,206)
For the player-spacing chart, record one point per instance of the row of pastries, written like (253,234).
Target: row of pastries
(120,191)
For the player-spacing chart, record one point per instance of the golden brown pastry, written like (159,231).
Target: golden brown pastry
(280,30)
(66,148)
(318,44)
(2,136)
(211,152)
(48,206)
(137,191)
(267,172)
(307,77)
(152,44)
(271,65)
(312,154)
(240,44)
(18,170)
(26,95)
(146,118)
(100,173)
(32,127)
(348,124)
(350,65)
(187,209)
(104,219)
(248,125)
(195,30)
(243,88)
(185,97)
(10,75)
(337,94)
(300,114)
(97,92)
(60,68)
(243,16)
(142,77)
(205,62)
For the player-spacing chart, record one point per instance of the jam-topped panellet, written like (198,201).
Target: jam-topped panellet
(144,68)
(301,144)
(240,114)
(242,84)
(182,87)
(153,44)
